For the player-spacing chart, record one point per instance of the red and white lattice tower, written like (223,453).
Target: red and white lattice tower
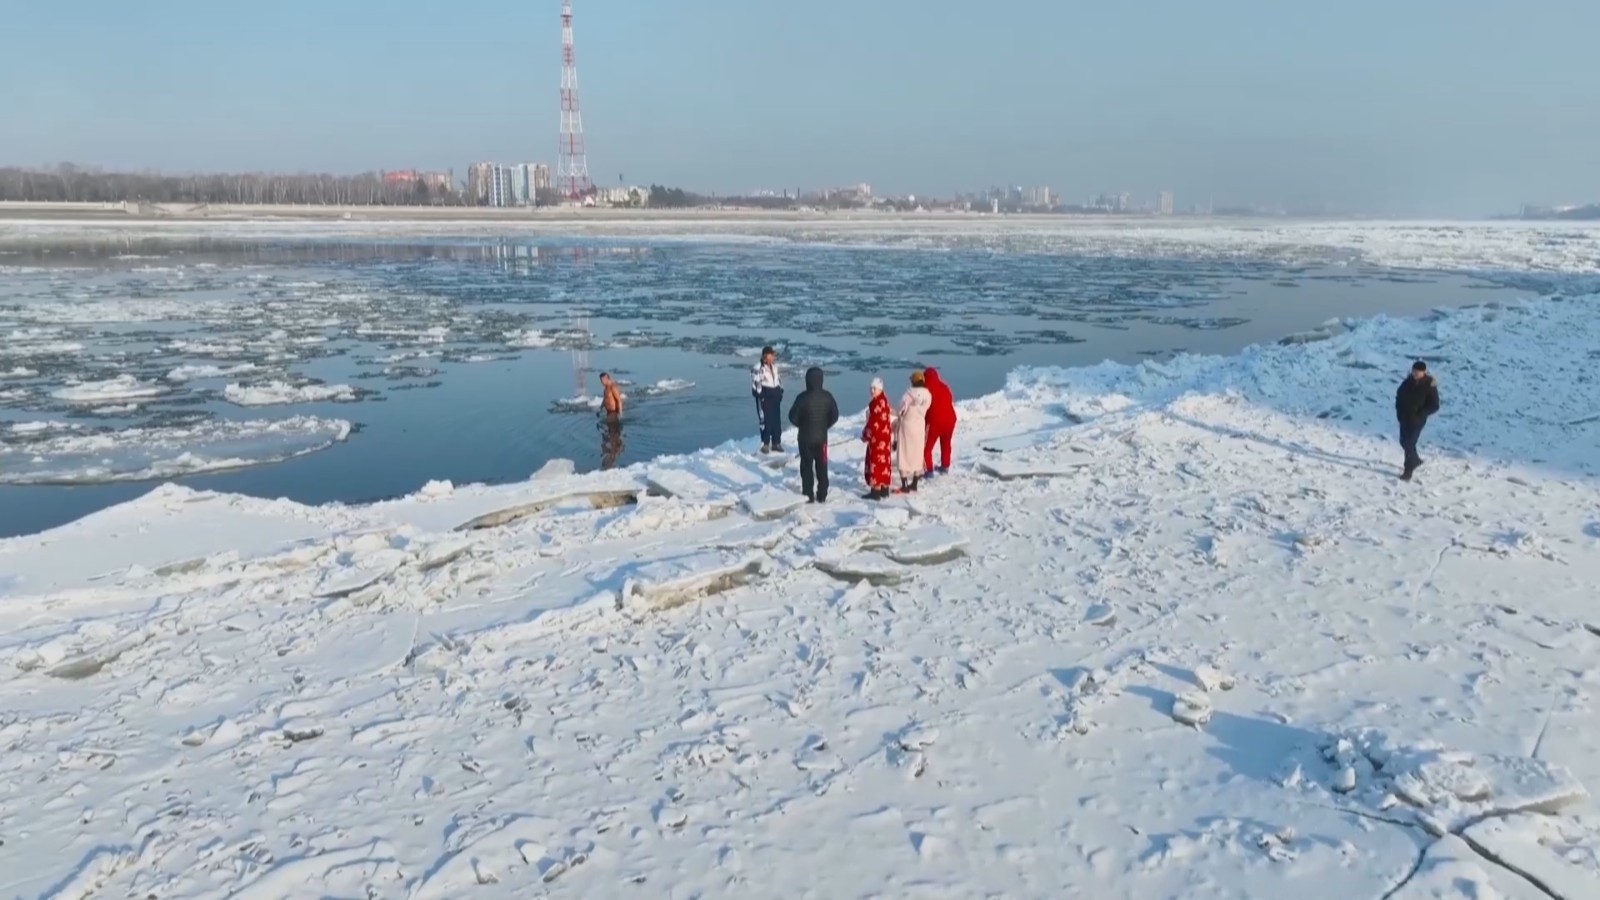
(572,166)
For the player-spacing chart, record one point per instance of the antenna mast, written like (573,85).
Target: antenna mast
(572,167)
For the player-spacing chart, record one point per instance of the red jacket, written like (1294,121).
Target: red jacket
(943,412)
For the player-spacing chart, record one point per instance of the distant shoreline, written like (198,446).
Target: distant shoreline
(148,213)
(134,212)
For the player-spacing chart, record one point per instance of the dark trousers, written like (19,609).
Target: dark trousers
(814,470)
(771,417)
(1410,431)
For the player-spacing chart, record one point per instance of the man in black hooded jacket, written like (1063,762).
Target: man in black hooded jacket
(1415,400)
(813,413)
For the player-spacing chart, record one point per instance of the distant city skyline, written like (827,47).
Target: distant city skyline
(1433,107)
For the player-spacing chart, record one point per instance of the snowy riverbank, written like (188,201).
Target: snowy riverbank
(547,688)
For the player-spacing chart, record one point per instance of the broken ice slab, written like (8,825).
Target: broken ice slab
(924,545)
(1451,868)
(1056,467)
(1345,781)
(1555,854)
(510,514)
(1191,708)
(870,568)
(1026,440)
(666,583)
(1488,785)
(689,486)
(362,572)
(771,502)
(1211,680)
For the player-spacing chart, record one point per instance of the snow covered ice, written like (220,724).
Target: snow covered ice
(281,393)
(114,390)
(54,453)
(671,680)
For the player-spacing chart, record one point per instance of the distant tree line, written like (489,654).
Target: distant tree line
(72,184)
(673,198)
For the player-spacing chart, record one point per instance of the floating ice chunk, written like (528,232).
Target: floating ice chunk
(26,428)
(140,454)
(555,468)
(529,338)
(116,390)
(575,404)
(16,347)
(193,373)
(434,335)
(19,372)
(277,393)
(435,490)
(206,348)
(666,386)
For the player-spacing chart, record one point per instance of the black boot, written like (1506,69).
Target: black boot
(915,480)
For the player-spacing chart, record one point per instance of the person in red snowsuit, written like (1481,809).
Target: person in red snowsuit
(880,442)
(941,422)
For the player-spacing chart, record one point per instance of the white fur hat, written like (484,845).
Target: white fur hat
(877,385)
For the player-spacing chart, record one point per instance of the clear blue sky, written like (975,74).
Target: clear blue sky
(1407,106)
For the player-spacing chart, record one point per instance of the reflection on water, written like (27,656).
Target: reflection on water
(610,441)
(471,355)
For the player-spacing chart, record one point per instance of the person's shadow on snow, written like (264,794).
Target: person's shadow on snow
(1299,450)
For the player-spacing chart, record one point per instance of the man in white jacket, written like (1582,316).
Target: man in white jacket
(766,387)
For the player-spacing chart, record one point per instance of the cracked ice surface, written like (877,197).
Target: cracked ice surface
(602,691)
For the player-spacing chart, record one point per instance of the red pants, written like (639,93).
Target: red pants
(938,434)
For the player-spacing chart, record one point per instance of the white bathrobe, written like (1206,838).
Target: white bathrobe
(911,430)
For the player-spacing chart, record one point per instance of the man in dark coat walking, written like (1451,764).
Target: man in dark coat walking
(1416,400)
(813,413)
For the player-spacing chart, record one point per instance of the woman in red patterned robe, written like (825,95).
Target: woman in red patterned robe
(879,436)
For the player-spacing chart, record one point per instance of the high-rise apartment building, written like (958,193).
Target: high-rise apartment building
(501,188)
(493,184)
(1166,203)
(480,178)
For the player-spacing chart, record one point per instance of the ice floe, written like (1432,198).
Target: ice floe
(148,453)
(282,393)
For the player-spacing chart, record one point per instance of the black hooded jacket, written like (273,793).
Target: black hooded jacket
(1416,399)
(814,411)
